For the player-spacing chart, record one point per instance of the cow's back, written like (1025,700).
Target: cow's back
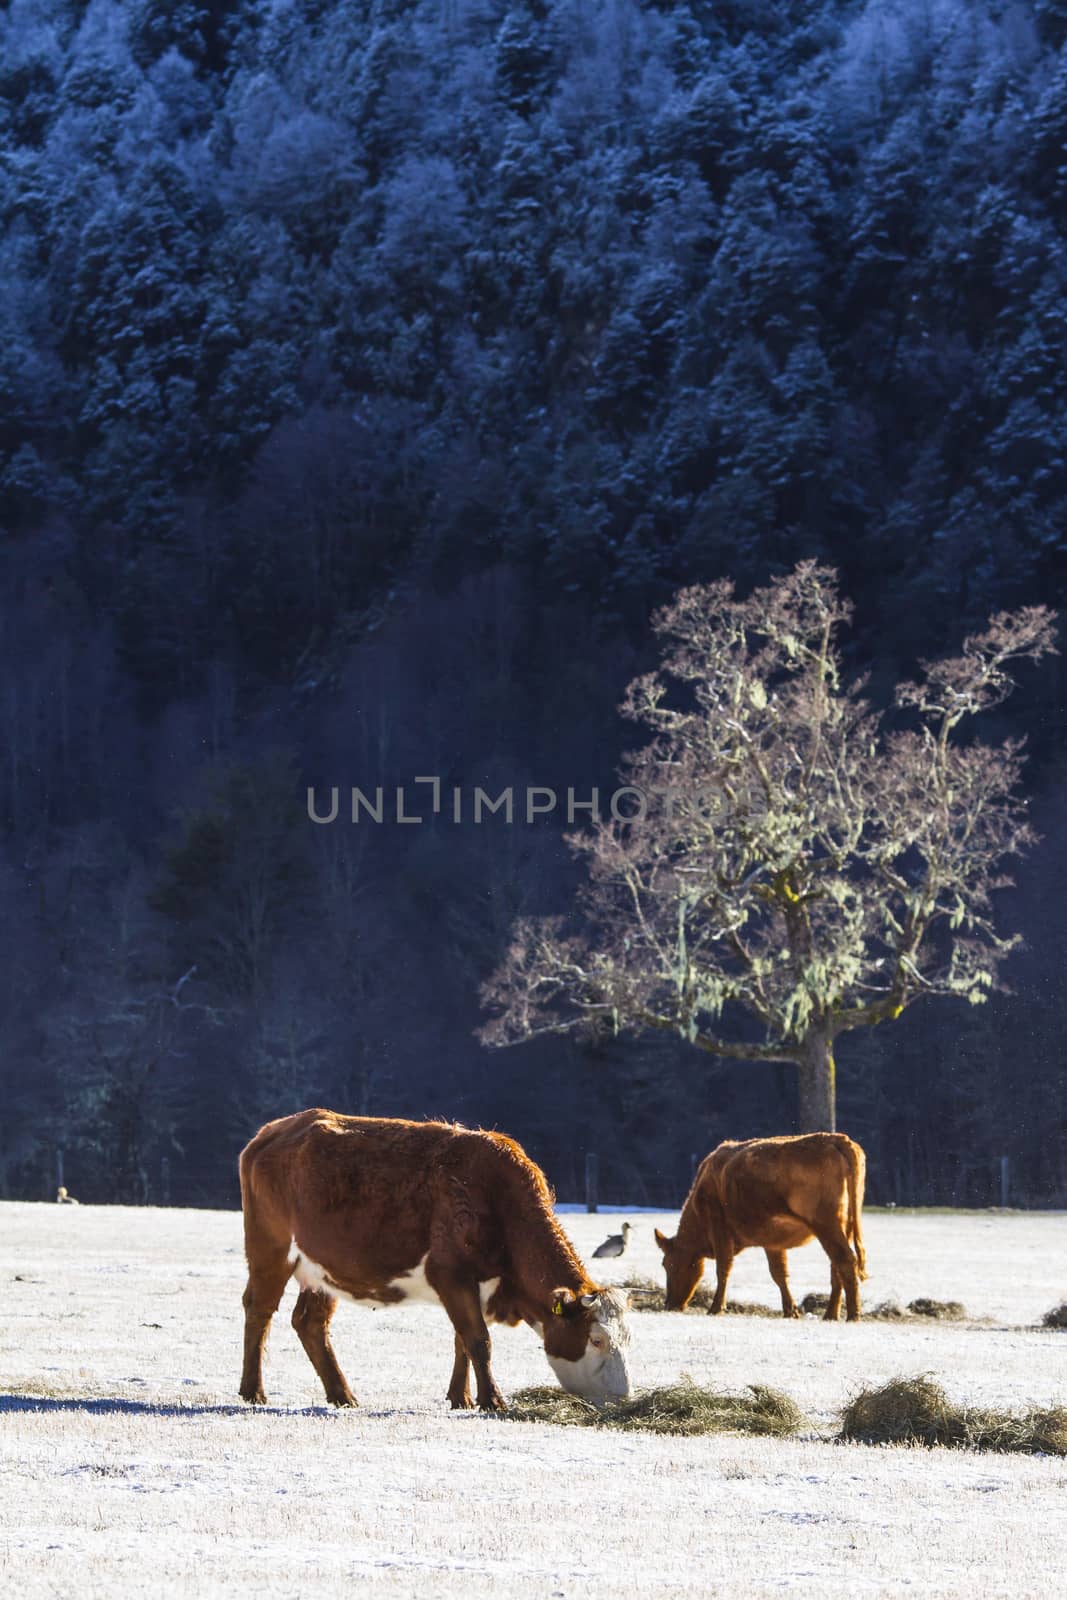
(320,1164)
(384,1191)
(800,1175)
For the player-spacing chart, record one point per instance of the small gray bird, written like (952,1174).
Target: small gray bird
(615,1244)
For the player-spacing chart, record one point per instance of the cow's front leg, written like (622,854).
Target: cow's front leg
(464,1306)
(724,1260)
(459,1391)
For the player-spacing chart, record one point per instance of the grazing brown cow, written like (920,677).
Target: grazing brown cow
(776,1193)
(382,1211)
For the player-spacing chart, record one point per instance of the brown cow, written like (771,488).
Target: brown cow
(776,1193)
(382,1211)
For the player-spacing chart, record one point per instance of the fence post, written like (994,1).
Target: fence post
(164,1180)
(60,1180)
(1005,1180)
(592,1173)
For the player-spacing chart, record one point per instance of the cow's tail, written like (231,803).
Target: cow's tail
(857,1178)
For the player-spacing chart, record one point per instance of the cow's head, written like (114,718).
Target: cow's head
(683,1269)
(585,1341)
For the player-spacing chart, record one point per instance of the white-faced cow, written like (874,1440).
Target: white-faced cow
(778,1194)
(380,1211)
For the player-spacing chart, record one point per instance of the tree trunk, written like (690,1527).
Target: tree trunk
(817,1086)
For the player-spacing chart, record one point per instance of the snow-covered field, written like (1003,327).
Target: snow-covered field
(127,1465)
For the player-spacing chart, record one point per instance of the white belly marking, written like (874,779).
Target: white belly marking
(310,1275)
(412,1285)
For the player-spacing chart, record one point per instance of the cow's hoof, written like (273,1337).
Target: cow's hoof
(795,1315)
(255,1397)
(493,1402)
(342,1401)
(463,1403)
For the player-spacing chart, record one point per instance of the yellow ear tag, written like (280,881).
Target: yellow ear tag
(557,1308)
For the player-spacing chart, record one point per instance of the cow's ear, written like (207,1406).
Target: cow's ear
(661,1239)
(562,1302)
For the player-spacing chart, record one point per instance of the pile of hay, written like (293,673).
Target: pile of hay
(543,1403)
(917,1411)
(887,1311)
(907,1411)
(942,1310)
(682,1408)
(647,1295)
(814,1305)
(1056,1318)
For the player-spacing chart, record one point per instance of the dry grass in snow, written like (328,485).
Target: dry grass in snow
(918,1411)
(127,1464)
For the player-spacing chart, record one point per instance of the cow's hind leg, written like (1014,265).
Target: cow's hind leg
(311,1319)
(833,1305)
(842,1263)
(462,1302)
(459,1392)
(269,1271)
(779,1272)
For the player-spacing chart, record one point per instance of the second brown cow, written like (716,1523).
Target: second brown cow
(776,1193)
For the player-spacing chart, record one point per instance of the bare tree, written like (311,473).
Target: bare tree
(794,868)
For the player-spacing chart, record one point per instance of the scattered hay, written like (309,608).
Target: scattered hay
(647,1295)
(892,1311)
(1057,1317)
(817,1305)
(682,1409)
(887,1311)
(941,1310)
(917,1411)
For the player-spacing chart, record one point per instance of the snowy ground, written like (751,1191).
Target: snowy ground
(127,1467)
